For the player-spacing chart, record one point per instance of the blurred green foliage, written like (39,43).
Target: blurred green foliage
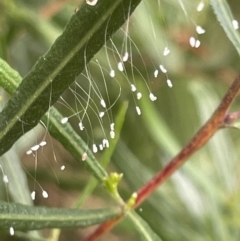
(201,200)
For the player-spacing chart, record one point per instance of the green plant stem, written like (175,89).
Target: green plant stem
(224,16)
(106,157)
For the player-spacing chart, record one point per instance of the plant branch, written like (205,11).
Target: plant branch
(200,139)
(103,228)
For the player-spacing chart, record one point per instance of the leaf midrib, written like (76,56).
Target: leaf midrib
(47,217)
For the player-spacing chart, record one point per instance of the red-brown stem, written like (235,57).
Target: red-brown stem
(103,228)
(200,139)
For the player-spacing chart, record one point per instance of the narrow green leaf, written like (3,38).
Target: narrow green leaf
(10,79)
(118,127)
(17,185)
(84,35)
(72,142)
(105,159)
(157,127)
(23,217)
(224,16)
(145,231)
